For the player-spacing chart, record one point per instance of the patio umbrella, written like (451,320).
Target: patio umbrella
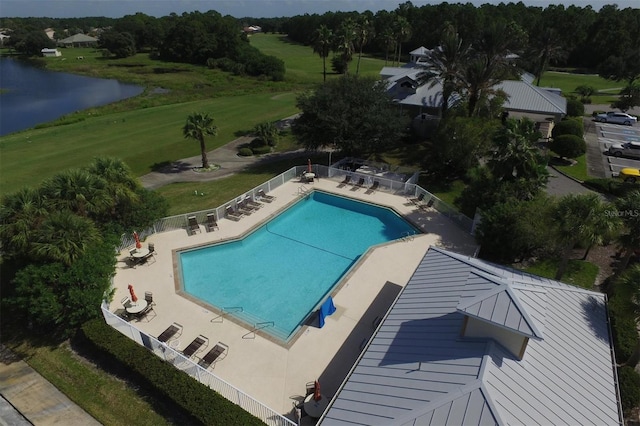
(134,298)
(316,391)
(309,166)
(138,243)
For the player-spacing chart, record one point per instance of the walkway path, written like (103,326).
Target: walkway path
(28,398)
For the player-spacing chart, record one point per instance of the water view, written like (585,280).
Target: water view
(32,96)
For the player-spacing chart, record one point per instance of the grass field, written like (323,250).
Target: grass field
(143,138)
(303,66)
(605,89)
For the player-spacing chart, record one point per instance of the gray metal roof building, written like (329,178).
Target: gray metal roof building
(469,342)
(405,87)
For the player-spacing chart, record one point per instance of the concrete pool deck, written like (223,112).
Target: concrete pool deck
(267,371)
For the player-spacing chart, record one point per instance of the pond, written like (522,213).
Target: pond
(32,96)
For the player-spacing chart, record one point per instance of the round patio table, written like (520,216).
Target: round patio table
(136,307)
(315,408)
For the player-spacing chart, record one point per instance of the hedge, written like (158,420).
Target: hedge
(201,401)
(568,146)
(629,383)
(623,323)
(575,108)
(611,186)
(568,127)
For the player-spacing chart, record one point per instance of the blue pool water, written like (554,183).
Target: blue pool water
(284,269)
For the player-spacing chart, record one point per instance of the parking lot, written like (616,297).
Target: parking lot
(609,134)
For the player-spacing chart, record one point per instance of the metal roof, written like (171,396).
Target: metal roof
(523,96)
(418,369)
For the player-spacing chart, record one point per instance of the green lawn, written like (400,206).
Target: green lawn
(568,82)
(579,272)
(143,138)
(304,66)
(105,397)
(577,170)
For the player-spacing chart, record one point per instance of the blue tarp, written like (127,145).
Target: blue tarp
(326,309)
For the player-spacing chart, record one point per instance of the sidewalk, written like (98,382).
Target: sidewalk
(27,398)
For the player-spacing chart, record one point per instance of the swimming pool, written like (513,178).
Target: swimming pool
(279,273)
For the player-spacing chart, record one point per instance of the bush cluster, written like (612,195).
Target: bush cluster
(568,146)
(611,186)
(568,127)
(575,108)
(201,401)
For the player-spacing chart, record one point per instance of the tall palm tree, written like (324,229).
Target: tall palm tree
(491,62)
(581,218)
(64,236)
(402,33)
(478,80)
(198,126)
(387,38)
(629,239)
(364,33)
(546,48)
(344,42)
(446,63)
(79,191)
(322,42)
(21,213)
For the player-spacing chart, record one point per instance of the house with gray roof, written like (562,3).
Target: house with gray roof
(406,88)
(78,40)
(467,342)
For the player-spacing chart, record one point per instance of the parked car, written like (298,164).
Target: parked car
(627,149)
(617,118)
(629,174)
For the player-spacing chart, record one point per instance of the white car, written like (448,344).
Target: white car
(627,149)
(617,118)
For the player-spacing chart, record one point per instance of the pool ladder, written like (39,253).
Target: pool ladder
(408,236)
(256,327)
(226,311)
(302,191)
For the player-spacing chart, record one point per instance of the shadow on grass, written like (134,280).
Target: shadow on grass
(171,167)
(166,408)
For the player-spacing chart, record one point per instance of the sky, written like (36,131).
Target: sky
(239,8)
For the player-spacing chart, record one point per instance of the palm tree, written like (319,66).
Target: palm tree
(478,80)
(402,32)
(267,132)
(364,32)
(64,236)
(581,218)
(121,185)
(630,238)
(20,215)
(516,155)
(79,191)
(446,64)
(197,126)
(491,63)
(545,49)
(322,42)
(387,39)
(631,279)
(344,42)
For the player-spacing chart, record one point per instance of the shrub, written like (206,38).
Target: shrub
(201,401)
(265,149)
(610,186)
(568,146)
(575,108)
(629,383)
(568,127)
(245,152)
